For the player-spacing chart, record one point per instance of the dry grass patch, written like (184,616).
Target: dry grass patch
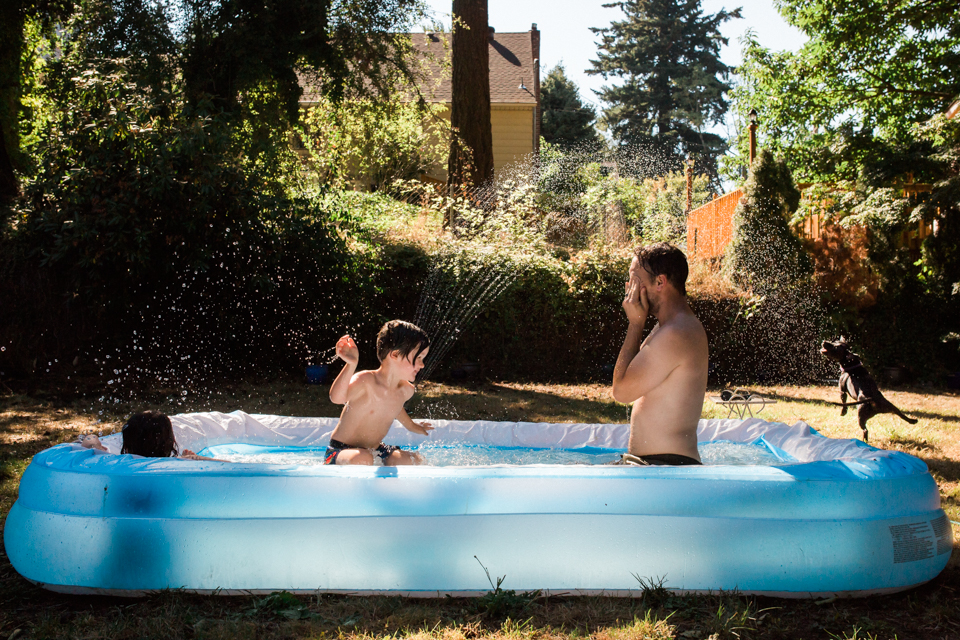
(646,628)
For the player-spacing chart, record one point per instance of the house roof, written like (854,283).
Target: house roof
(511,64)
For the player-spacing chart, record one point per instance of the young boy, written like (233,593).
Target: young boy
(373,399)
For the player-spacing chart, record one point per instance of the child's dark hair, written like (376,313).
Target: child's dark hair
(149,434)
(664,259)
(401,336)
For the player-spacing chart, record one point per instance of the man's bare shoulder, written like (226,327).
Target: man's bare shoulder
(685,325)
(681,329)
(684,334)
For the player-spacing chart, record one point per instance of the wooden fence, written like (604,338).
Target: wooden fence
(710,227)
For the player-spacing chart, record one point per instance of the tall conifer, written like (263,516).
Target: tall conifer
(567,120)
(765,255)
(667,54)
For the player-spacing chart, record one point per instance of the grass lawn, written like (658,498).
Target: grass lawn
(34,421)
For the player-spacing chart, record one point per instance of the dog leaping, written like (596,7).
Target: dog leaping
(857,382)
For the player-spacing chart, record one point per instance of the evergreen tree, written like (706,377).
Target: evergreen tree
(667,52)
(566,119)
(765,255)
(783,318)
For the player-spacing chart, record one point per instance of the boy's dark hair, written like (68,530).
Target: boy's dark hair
(401,336)
(149,434)
(664,259)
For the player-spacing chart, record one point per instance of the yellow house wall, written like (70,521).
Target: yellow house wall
(512,130)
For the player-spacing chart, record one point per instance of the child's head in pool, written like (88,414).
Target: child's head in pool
(403,337)
(149,434)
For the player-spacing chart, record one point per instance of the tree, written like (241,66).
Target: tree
(220,51)
(14,15)
(566,119)
(374,142)
(767,260)
(471,151)
(155,187)
(667,52)
(869,72)
(765,255)
(859,110)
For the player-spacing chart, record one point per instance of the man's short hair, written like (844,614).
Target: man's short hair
(401,336)
(664,259)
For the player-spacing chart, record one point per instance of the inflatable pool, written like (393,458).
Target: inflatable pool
(831,517)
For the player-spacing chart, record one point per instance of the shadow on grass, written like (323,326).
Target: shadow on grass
(946,468)
(920,444)
(827,404)
(932,416)
(15,423)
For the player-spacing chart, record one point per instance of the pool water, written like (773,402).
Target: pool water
(459,454)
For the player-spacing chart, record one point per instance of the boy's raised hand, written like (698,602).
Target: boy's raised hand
(423,428)
(347,350)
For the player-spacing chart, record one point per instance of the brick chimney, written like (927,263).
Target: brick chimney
(538,116)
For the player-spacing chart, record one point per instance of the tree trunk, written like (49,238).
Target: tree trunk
(11,48)
(9,185)
(471,151)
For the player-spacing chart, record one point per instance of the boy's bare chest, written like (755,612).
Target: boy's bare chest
(387,396)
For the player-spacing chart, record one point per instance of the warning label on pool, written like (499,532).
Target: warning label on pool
(941,528)
(912,542)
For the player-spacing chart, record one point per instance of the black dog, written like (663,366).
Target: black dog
(857,381)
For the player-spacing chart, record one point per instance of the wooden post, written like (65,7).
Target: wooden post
(753,134)
(689,184)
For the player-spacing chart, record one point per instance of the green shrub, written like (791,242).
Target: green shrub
(561,319)
(372,143)
(156,232)
(581,185)
(764,254)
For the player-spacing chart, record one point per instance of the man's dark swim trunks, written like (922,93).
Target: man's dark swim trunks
(335,447)
(658,459)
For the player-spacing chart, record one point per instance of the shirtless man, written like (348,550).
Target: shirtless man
(665,377)
(373,399)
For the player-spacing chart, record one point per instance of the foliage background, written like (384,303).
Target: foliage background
(859,113)
(167,233)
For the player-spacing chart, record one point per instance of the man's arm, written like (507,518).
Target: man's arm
(640,368)
(629,350)
(648,367)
